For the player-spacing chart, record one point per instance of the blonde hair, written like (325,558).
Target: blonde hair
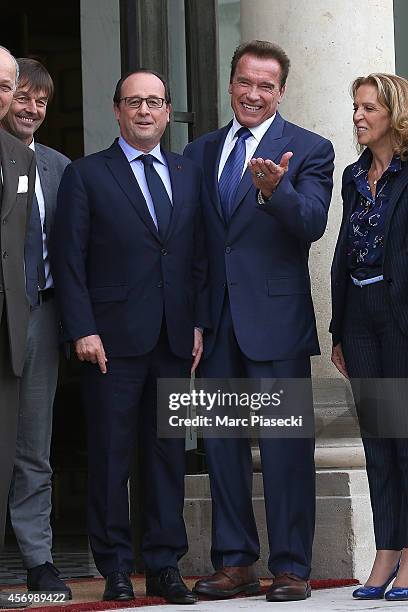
(392,91)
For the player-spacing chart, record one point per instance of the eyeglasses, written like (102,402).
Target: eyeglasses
(136,102)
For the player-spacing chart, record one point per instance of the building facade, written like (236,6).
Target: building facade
(87,44)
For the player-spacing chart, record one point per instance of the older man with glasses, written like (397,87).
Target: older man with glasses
(130,276)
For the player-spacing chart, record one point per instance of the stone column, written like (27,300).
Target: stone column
(100,51)
(330,43)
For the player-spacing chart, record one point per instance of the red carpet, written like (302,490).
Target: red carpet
(87,594)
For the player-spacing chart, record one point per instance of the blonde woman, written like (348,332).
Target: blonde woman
(370,313)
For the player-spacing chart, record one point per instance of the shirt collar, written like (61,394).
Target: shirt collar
(258,132)
(31,145)
(395,164)
(363,164)
(132,153)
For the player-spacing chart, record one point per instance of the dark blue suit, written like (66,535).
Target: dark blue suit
(264,326)
(115,277)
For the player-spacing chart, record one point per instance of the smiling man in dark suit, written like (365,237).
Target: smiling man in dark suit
(130,271)
(17,178)
(30,491)
(269,185)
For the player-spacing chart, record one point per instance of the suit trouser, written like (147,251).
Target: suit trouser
(9,393)
(30,491)
(375,348)
(287,468)
(119,405)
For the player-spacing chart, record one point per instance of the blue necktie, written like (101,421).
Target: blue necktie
(33,255)
(231,173)
(161,201)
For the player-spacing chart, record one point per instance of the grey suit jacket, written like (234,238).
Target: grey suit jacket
(51,165)
(17,160)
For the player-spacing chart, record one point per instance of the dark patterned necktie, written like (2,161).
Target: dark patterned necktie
(33,255)
(161,201)
(231,173)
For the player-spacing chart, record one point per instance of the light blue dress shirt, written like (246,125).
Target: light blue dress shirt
(159,164)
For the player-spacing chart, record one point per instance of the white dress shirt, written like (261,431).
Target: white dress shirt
(251,143)
(159,164)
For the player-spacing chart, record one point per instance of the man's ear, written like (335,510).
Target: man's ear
(230,88)
(281,93)
(169,112)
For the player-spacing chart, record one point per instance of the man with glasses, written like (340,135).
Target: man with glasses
(30,491)
(130,274)
(17,176)
(269,186)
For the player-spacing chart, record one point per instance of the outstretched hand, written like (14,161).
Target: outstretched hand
(267,175)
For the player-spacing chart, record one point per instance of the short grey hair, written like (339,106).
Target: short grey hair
(15,64)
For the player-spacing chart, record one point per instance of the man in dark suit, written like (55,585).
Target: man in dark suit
(130,273)
(30,491)
(16,189)
(269,185)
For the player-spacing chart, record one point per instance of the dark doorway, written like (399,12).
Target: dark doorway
(50,33)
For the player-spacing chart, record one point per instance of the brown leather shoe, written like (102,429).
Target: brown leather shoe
(229,581)
(288,587)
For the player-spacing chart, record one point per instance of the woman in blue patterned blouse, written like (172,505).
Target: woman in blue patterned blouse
(370,315)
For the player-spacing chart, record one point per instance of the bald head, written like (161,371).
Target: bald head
(8,80)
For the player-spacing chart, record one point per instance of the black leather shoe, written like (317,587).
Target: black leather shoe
(169,584)
(118,587)
(46,578)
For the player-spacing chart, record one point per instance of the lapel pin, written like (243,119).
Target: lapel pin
(13,161)
(178,167)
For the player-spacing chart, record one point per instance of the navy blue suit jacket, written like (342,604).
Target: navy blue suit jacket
(113,274)
(261,257)
(395,263)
